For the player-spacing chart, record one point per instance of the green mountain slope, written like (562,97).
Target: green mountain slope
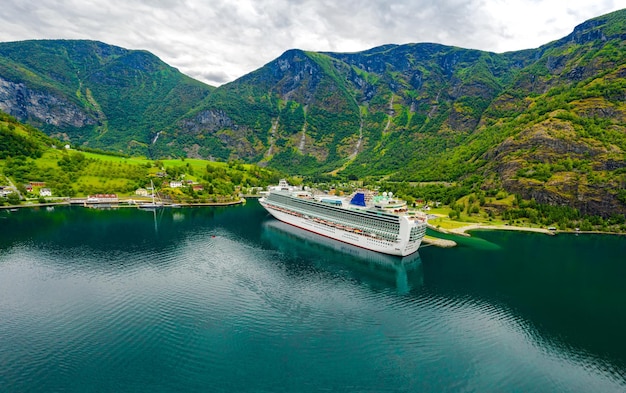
(94,94)
(295,109)
(558,132)
(17,139)
(546,123)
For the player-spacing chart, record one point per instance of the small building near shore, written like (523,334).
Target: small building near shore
(103,198)
(4,191)
(44,192)
(141,192)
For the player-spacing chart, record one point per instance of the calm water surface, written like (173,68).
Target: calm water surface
(229,300)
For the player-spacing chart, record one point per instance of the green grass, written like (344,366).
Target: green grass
(446,223)
(49,159)
(106,157)
(440,211)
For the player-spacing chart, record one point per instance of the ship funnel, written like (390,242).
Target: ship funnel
(358,199)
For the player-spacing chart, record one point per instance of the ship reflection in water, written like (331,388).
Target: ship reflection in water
(375,269)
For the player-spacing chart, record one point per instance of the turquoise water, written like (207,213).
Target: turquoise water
(228,299)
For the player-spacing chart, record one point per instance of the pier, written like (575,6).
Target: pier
(435,241)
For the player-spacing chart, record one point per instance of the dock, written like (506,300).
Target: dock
(435,241)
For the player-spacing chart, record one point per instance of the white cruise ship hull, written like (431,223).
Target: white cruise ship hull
(349,237)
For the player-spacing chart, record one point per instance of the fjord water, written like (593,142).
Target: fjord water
(228,299)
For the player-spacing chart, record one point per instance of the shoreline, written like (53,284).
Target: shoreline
(122,203)
(431,240)
(463,231)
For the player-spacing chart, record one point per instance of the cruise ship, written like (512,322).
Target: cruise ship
(379,223)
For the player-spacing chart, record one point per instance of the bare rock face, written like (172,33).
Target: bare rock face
(548,142)
(219,126)
(208,121)
(295,76)
(34,106)
(592,199)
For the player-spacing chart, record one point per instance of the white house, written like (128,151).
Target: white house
(141,192)
(45,192)
(176,184)
(5,191)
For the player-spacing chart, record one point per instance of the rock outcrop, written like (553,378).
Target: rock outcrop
(41,108)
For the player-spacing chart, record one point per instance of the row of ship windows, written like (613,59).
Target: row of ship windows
(381,242)
(385,237)
(382,229)
(416,233)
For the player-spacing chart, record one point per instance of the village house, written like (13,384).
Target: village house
(44,192)
(141,192)
(176,184)
(4,191)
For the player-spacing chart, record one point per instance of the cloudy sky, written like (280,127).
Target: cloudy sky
(217,41)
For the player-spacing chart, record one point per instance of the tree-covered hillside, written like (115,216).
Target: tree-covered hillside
(94,94)
(17,139)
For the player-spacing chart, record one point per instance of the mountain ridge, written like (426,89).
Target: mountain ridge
(412,112)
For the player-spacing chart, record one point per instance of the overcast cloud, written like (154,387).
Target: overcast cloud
(217,41)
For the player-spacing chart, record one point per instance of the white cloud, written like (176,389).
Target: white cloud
(218,40)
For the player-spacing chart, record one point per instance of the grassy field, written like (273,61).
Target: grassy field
(483,217)
(195,164)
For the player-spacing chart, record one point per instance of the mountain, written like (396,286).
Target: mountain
(546,123)
(94,94)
